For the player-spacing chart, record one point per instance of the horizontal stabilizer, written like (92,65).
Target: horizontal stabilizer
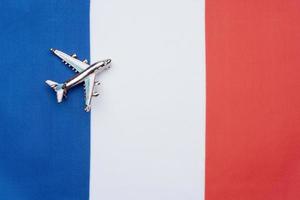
(58,88)
(52,84)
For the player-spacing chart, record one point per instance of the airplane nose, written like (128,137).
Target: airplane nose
(107,61)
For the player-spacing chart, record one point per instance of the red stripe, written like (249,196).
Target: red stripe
(253,100)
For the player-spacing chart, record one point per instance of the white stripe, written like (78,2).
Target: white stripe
(148,125)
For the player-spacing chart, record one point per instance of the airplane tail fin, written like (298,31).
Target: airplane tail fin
(58,88)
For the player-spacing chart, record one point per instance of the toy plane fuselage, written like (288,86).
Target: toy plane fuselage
(85,73)
(80,77)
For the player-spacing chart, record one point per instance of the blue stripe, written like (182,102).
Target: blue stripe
(44,146)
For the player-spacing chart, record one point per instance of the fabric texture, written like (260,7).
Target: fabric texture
(44,146)
(253,101)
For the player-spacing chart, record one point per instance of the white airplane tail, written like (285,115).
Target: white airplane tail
(58,88)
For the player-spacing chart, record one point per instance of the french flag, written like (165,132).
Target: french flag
(201,103)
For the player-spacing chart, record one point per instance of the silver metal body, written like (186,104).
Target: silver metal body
(80,77)
(85,73)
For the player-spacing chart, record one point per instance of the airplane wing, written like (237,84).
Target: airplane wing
(89,84)
(74,63)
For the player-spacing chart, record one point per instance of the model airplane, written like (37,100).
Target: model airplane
(85,73)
